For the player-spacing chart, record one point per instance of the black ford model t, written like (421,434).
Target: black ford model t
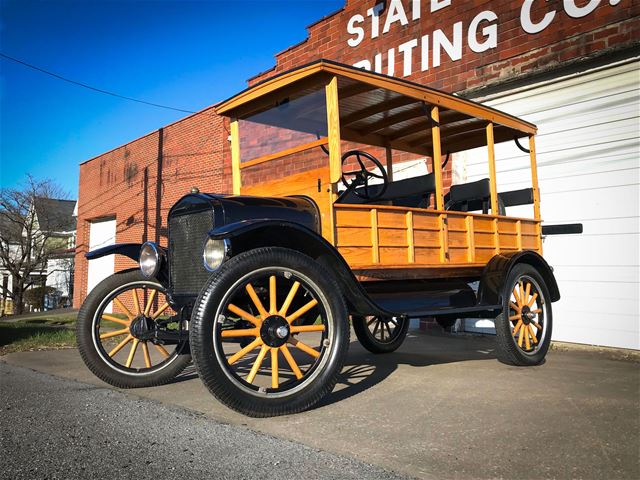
(260,287)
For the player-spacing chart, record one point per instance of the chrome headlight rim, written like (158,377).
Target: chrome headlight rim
(225,253)
(154,251)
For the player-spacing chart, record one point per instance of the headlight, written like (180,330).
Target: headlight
(215,252)
(149,259)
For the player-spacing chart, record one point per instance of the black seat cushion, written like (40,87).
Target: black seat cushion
(405,192)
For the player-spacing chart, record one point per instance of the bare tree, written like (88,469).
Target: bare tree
(25,243)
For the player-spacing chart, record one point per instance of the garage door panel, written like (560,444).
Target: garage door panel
(588,149)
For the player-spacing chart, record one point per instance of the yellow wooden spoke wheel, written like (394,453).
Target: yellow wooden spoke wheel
(524,328)
(129,335)
(277,328)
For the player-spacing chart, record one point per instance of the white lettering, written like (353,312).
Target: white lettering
(391,62)
(424,59)
(377,63)
(396,13)
(575,11)
(374,13)
(490,32)
(526,22)
(354,30)
(453,49)
(407,51)
(439,5)
(415,9)
(364,64)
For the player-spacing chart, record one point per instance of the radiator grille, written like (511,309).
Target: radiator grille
(186,239)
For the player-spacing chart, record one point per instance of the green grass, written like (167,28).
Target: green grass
(40,333)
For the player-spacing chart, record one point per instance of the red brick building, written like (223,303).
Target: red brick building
(512,54)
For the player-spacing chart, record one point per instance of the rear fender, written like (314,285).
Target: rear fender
(497,270)
(249,234)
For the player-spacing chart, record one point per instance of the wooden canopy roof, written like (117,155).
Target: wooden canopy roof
(384,111)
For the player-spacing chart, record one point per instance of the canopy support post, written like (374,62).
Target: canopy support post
(333,126)
(492,169)
(534,178)
(437,156)
(235,156)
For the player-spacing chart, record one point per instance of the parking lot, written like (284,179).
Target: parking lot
(443,407)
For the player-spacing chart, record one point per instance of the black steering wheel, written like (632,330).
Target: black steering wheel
(361,177)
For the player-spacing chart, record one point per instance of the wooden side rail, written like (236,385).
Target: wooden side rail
(373,236)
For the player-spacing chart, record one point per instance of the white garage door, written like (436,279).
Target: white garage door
(588,157)
(101,234)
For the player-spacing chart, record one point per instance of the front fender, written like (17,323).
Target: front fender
(256,233)
(495,275)
(131,250)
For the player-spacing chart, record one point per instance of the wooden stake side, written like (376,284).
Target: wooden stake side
(235,156)
(492,169)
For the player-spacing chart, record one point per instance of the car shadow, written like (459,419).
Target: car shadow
(363,369)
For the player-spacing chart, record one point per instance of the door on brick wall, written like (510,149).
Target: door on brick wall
(101,234)
(588,149)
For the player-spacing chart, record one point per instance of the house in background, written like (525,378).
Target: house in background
(52,282)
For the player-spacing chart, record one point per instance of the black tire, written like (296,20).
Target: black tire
(107,366)
(371,332)
(220,364)
(523,330)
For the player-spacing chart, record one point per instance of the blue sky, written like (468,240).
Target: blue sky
(186,54)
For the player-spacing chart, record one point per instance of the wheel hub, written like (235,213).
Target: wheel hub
(275,331)
(527,315)
(141,326)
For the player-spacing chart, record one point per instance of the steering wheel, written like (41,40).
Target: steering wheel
(361,177)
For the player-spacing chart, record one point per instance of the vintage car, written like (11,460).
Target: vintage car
(325,231)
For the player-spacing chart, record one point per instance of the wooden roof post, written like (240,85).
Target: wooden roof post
(492,169)
(333,127)
(235,156)
(534,178)
(437,156)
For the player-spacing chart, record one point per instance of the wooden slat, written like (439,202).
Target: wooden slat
(411,254)
(519,232)
(375,247)
(471,252)
(284,153)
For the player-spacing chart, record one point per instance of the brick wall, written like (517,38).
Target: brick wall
(113,184)
(196,151)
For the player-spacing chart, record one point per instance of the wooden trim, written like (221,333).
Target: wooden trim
(492,169)
(437,157)
(284,153)
(426,210)
(235,157)
(430,96)
(519,233)
(444,238)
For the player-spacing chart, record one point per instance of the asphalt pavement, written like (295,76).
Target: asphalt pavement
(441,407)
(53,428)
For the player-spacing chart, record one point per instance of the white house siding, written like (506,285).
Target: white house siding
(588,165)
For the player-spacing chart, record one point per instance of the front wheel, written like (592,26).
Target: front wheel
(269,332)
(116,332)
(523,329)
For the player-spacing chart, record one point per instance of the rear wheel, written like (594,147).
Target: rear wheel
(380,334)
(114,332)
(523,329)
(270,333)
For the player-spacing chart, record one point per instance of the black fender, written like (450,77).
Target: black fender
(255,233)
(495,275)
(131,250)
